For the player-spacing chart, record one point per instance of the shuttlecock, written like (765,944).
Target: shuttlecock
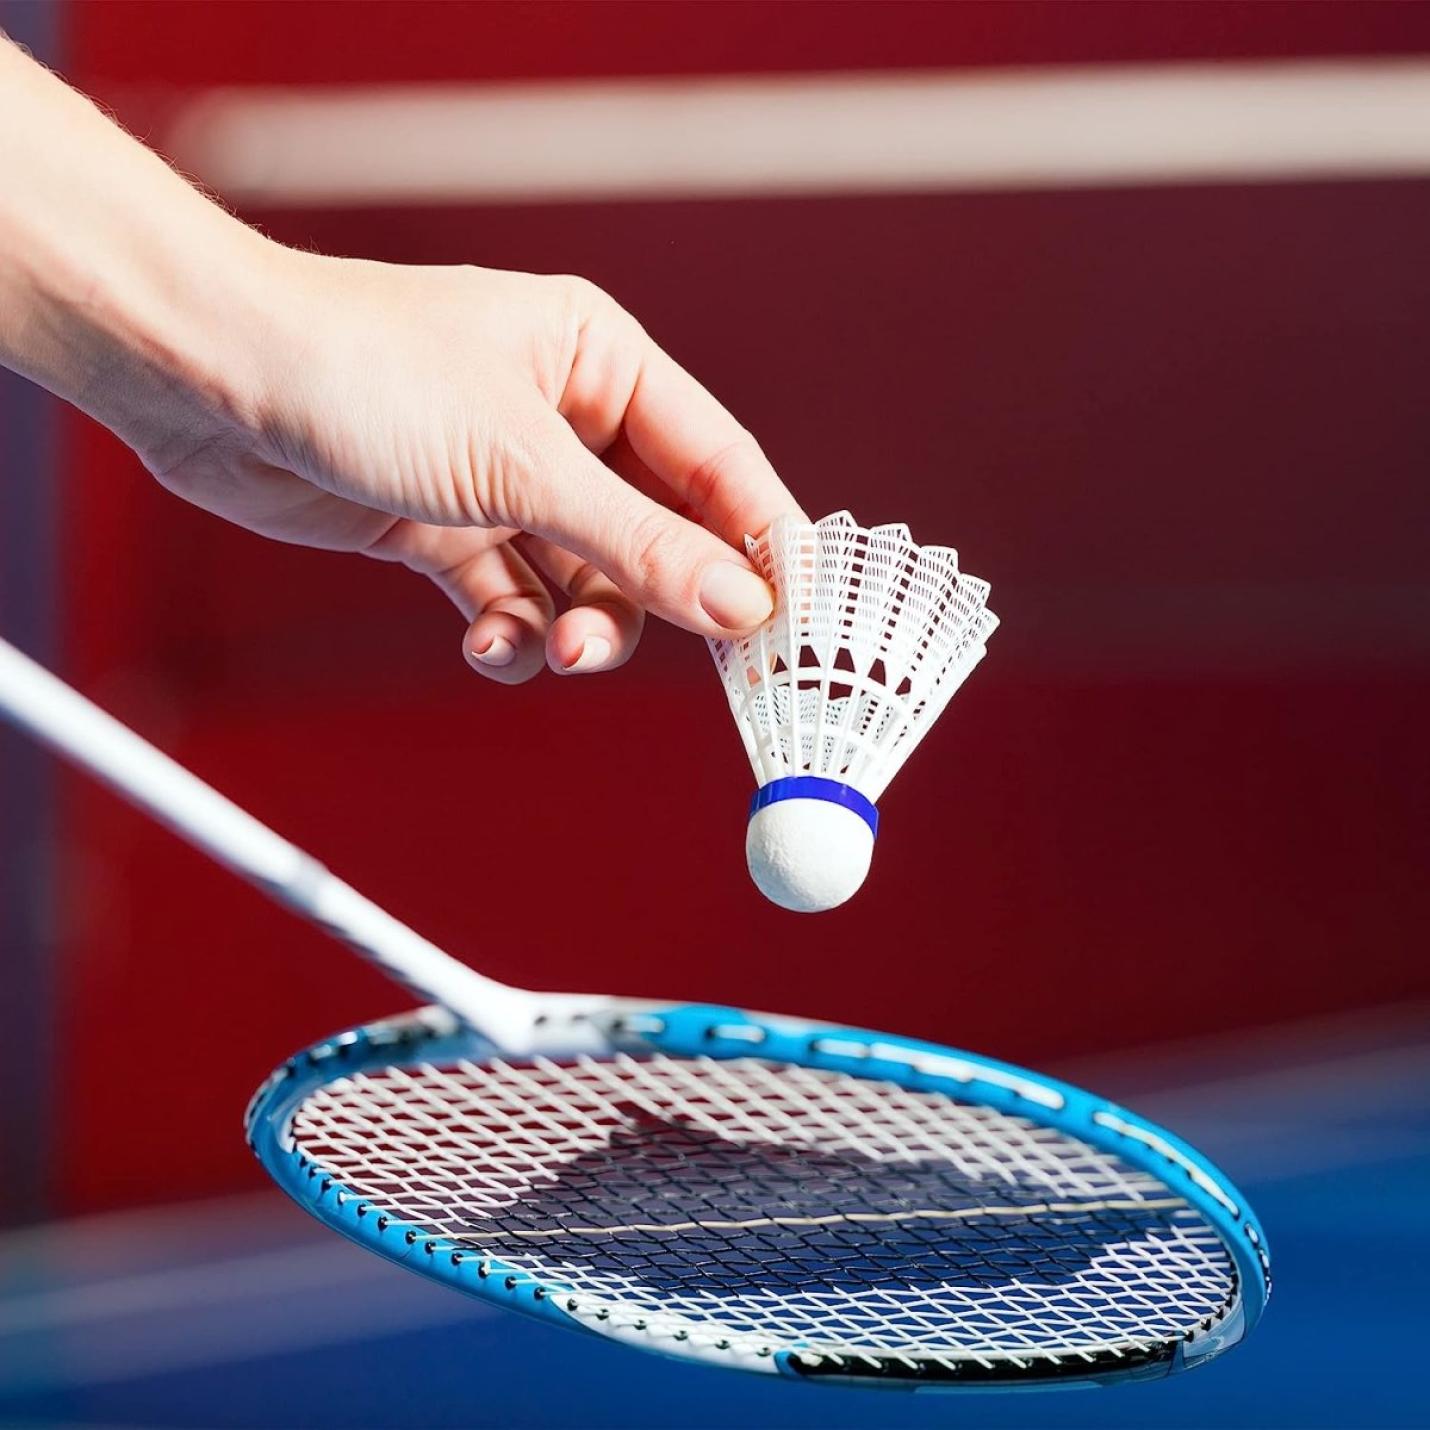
(869,639)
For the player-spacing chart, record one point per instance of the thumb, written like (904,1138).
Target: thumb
(671,566)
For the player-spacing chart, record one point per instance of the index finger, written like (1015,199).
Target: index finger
(697,449)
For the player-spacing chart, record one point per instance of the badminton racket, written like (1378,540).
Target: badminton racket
(826,1204)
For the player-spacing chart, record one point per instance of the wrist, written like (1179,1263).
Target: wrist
(122,288)
(160,337)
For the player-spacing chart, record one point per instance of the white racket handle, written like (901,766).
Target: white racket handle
(61,718)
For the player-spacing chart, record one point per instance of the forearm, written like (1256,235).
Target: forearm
(122,289)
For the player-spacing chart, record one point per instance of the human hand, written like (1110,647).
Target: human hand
(484,428)
(487,429)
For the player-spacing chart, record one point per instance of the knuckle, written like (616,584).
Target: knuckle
(589,303)
(505,472)
(709,477)
(588,583)
(582,294)
(656,555)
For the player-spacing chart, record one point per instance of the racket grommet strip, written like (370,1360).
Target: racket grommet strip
(735,1033)
(646,1025)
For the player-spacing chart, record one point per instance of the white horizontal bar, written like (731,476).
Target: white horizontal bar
(824,134)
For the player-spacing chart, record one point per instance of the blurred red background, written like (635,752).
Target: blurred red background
(1181,430)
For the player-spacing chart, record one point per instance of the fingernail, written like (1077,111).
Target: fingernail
(595,652)
(735,597)
(499,652)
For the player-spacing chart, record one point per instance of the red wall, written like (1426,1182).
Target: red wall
(276,41)
(1183,434)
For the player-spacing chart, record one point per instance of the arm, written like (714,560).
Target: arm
(480,427)
(107,269)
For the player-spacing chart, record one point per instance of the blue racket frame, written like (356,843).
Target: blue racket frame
(432,1035)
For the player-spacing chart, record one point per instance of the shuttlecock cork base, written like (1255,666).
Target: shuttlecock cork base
(809,842)
(870,637)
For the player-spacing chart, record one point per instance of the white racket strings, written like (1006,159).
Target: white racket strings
(757,1207)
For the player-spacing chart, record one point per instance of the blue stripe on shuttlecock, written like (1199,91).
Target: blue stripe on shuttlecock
(816,787)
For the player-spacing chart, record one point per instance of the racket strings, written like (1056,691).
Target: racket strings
(763,1205)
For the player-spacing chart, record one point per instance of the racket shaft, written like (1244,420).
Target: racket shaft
(59,717)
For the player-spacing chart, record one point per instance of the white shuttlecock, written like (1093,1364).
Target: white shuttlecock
(870,637)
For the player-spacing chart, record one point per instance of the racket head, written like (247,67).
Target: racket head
(831,1205)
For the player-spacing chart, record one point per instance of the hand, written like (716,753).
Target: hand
(488,429)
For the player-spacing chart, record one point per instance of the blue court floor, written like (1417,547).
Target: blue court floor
(242,1313)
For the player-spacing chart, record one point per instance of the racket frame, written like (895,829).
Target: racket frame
(641,1027)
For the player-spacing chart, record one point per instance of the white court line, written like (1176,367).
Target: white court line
(875,132)
(263,1276)
(218,1310)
